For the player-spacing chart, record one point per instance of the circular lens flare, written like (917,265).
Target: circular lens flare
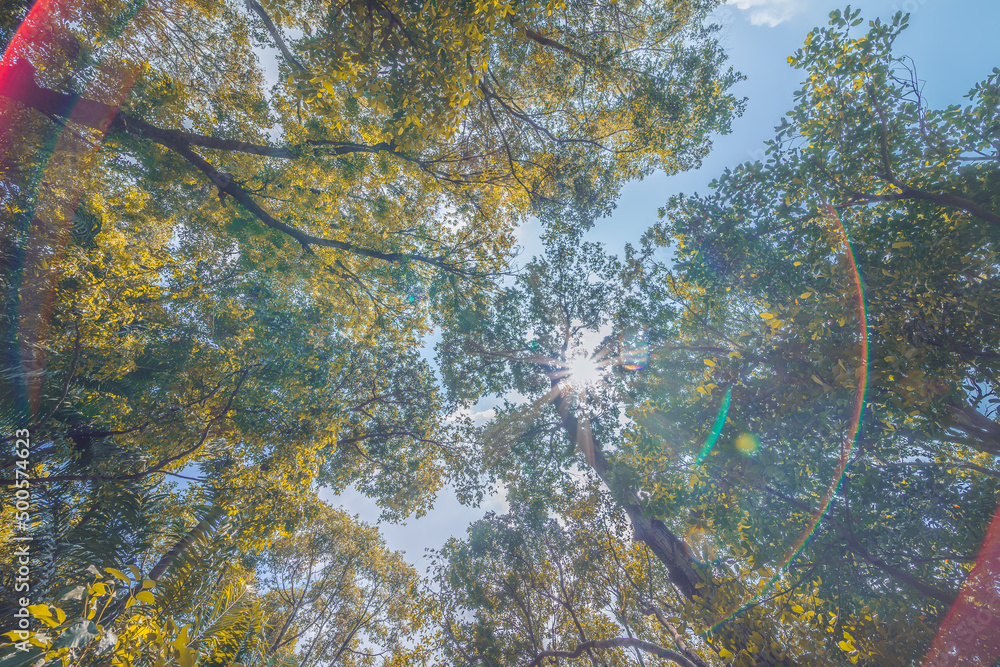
(747,443)
(847,443)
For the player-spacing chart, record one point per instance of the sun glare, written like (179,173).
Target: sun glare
(582,371)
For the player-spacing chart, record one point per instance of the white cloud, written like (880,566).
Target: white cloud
(770,12)
(477,417)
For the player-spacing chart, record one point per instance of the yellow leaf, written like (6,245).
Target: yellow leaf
(39,610)
(723,653)
(767,316)
(186,657)
(116,573)
(710,363)
(805,295)
(144,596)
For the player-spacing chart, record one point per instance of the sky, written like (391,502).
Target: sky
(954,45)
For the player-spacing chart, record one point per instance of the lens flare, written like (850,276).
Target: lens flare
(969,633)
(50,199)
(747,443)
(720,423)
(847,444)
(635,351)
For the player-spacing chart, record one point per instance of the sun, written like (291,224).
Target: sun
(581,370)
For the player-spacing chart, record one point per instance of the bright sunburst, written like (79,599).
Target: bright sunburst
(582,370)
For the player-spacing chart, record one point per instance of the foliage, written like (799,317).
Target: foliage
(527,585)
(815,476)
(336,596)
(766,436)
(764,269)
(329,593)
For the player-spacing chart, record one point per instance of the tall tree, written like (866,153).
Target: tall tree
(768,270)
(371,192)
(536,335)
(335,596)
(808,411)
(558,578)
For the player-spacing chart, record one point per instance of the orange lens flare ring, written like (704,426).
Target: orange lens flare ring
(847,443)
(65,155)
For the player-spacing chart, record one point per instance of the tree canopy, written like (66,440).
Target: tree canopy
(797,399)
(765,435)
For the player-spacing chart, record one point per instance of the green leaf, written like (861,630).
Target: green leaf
(77,635)
(22,658)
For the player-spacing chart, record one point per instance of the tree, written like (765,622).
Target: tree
(186,608)
(641,110)
(863,136)
(783,452)
(329,593)
(224,286)
(535,335)
(765,272)
(530,585)
(336,596)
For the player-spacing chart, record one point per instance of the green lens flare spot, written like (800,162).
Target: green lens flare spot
(720,422)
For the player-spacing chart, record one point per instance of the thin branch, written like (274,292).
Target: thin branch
(618,642)
(542,40)
(255,7)
(159,467)
(69,376)
(653,610)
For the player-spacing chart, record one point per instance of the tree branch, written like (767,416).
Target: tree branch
(618,642)
(256,8)
(653,610)
(541,39)
(910,193)
(947,597)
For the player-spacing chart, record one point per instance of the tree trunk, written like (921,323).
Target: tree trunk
(732,635)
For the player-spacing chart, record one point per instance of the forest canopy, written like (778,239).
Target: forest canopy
(764,435)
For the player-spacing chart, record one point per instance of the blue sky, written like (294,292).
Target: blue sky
(954,45)
(953,42)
